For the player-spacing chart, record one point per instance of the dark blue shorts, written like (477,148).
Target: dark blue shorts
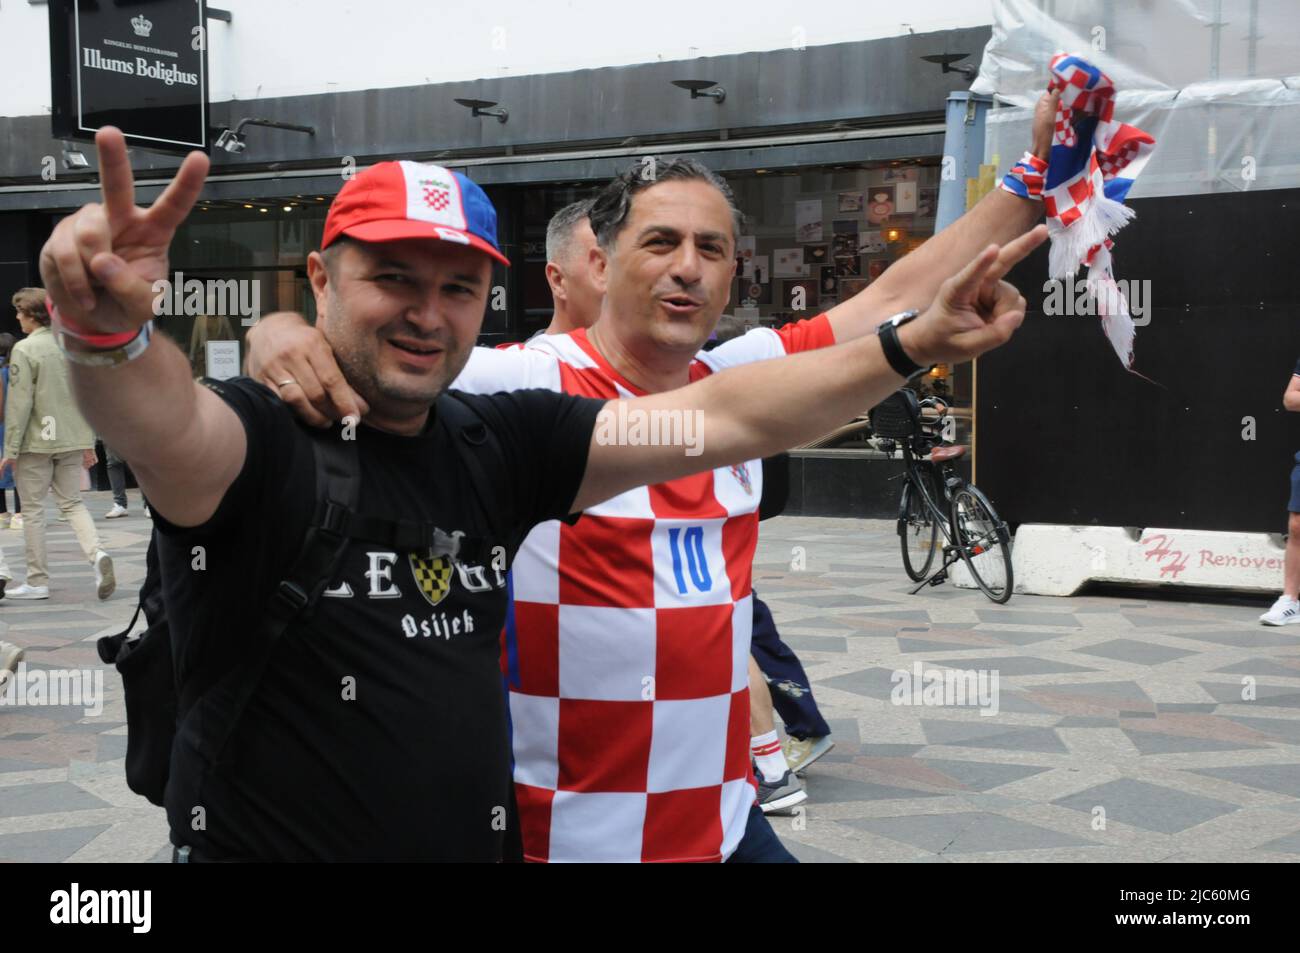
(1294,506)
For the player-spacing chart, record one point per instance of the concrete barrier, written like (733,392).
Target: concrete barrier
(1051,560)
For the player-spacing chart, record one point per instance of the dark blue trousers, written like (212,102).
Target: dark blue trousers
(791,693)
(760,845)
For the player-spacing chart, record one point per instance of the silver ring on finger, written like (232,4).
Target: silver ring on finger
(285,383)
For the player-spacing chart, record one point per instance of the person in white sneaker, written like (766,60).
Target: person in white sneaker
(1287,608)
(117,480)
(48,444)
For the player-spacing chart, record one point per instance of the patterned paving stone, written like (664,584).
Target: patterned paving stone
(1260,667)
(871,682)
(47,846)
(1276,729)
(982,775)
(46,799)
(817,643)
(1148,806)
(1019,617)
(1289,844)
(1147,739)
(1278,778)
(837,601)
(1101,696)
(1268,696)
(1013,665)
(983,734)
(1150,742)
(966,833)
(830,788)
(1260,637)
(1141,653)
(1153,620)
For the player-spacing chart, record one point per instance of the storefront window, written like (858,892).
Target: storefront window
(251,259)
(816,237)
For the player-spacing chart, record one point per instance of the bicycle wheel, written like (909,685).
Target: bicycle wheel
(917,530)
(984,543)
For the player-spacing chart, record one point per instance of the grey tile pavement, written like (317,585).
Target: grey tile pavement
(1179,719)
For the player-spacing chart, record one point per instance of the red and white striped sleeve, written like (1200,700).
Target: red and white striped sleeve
(760,344)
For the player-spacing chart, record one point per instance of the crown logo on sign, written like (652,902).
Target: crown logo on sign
(142,26)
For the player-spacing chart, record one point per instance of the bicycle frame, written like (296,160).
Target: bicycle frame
(970,524)
(947,481)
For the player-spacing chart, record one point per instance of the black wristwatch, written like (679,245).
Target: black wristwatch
(893,348)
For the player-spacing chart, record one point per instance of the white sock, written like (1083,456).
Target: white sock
(769,756)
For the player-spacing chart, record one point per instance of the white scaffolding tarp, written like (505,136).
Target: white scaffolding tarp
(1217,82)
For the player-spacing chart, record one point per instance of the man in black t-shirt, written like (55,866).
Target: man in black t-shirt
(341,753)
(1286,610)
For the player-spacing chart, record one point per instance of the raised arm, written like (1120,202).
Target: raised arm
(914,280)
(184,444)
(758,409)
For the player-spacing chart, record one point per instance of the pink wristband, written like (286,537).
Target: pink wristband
(105,341)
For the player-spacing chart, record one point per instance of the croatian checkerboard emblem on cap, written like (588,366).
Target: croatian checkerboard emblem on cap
(433,195)
(436,194)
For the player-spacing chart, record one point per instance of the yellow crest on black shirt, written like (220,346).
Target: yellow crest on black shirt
(432,574)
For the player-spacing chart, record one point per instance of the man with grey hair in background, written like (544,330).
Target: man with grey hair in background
(569,242)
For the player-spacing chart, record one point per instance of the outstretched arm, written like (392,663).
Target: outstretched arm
(185,445)
(914,280)
(758,409)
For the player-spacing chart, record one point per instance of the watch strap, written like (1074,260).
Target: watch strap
(893,348)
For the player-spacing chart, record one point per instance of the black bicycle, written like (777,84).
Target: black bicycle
(972,530)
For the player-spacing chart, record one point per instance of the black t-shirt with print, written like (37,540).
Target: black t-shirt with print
(378,731)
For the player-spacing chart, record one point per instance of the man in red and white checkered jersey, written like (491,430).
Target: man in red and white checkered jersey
(626,653)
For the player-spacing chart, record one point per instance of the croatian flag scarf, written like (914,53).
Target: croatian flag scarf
(1094,162)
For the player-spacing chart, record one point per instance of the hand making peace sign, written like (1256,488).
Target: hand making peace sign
(975,310)
(99,265)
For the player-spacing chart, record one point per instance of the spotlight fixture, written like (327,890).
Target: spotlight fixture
(74,158)
(947,59)
(702,87)
(484,107)
(234,141)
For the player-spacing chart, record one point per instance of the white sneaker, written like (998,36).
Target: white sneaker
(28,592)
(117,512)
(1284,612)
(105,581)
(16,522)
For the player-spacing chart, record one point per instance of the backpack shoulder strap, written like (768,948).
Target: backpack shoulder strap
(479,448)
(338,488)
